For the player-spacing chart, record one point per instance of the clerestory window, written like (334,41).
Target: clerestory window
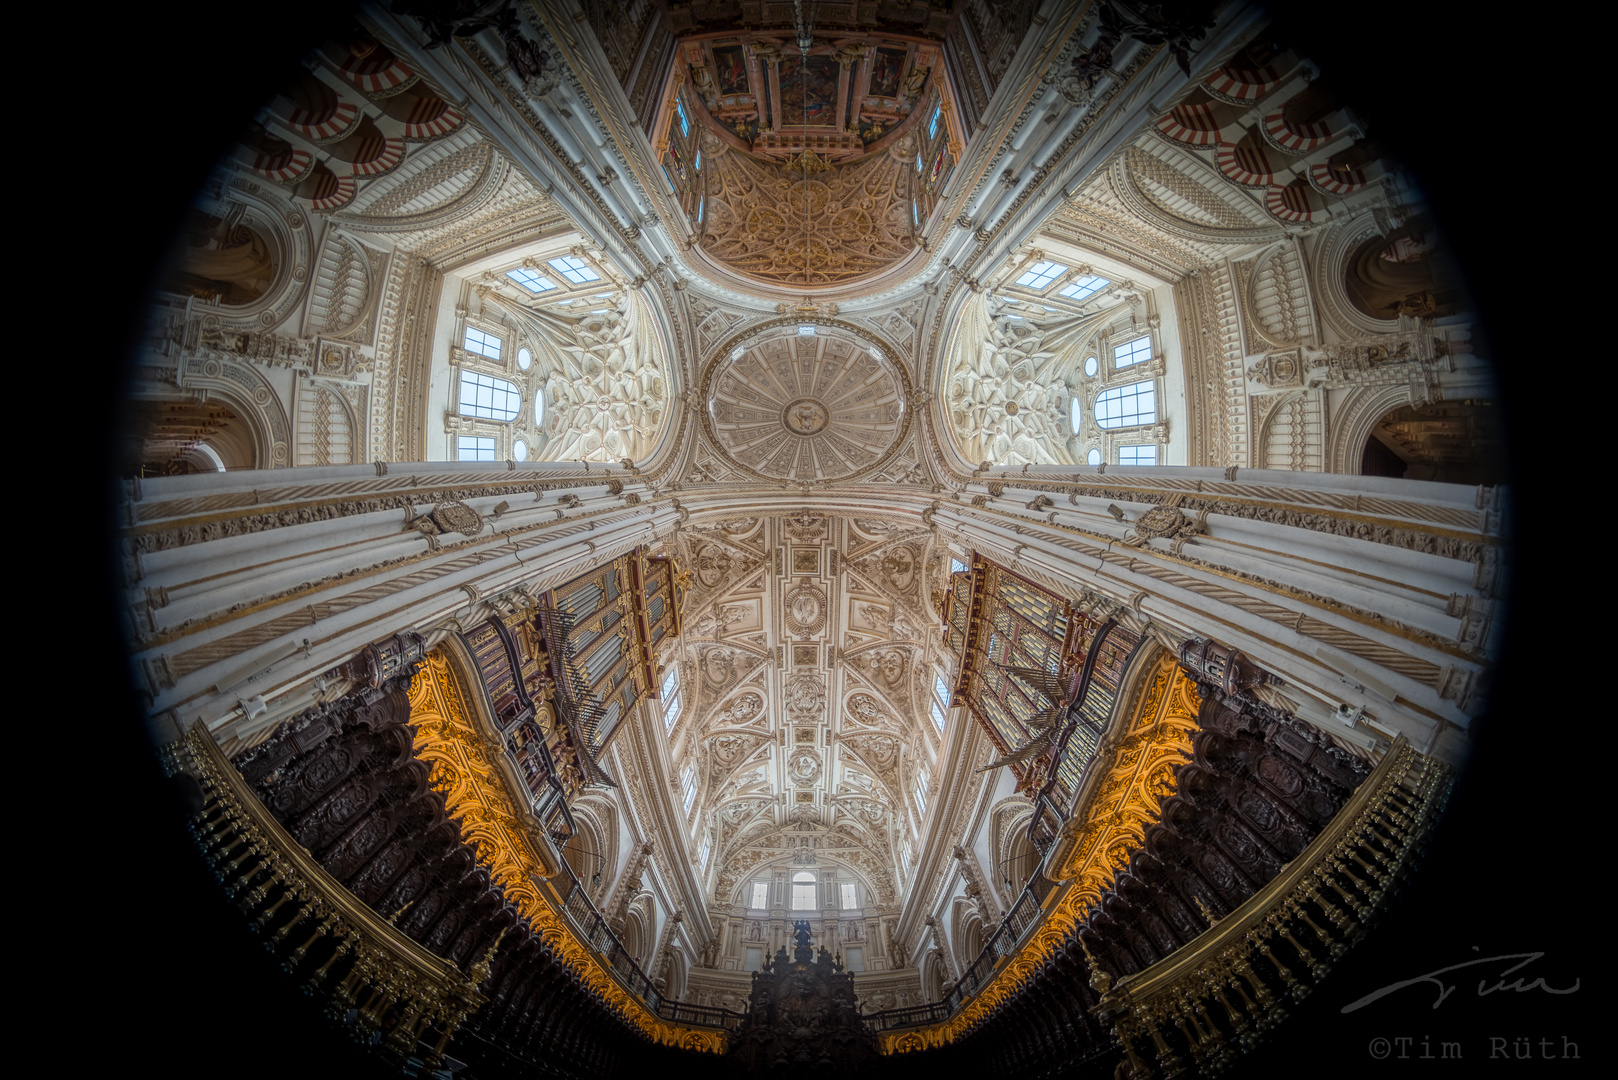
(474,448)
(1132,352)
(671,699)
(488,398)
(803,891)
(1127,406)
(482,343)
(1085,287)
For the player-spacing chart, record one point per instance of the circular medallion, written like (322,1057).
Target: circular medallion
(806,416)
(806,402)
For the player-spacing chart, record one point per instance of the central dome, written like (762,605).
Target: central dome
(806,402)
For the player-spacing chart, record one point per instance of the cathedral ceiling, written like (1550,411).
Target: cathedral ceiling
(809,224)
(810,403)
(807,651)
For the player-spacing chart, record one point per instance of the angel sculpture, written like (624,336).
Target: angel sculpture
(1060,691)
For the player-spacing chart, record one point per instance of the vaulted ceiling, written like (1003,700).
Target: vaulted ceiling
(808,656)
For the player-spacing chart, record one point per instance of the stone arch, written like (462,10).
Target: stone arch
(1015,857)
(638,932)
(967,933)
(1332,259)
(933,976)
(1354,417)
(245,392)
(1293,433)
(678,969)
(281,249)
(591,853)
(180,431)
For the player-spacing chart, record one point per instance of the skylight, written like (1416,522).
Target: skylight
(1041,274)
(1084,288)
(574,269)
(534,283)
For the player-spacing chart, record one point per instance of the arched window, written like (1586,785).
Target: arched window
(803,891)
(488,398)
(1127,406)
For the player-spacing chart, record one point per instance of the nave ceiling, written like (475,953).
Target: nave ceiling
(808,659)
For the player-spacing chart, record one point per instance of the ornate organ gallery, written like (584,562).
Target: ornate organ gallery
(880,538)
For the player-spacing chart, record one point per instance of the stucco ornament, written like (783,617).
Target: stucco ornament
(811,404)
(1005,392)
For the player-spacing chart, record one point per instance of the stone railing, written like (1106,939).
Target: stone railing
(1215,997)
(383,986)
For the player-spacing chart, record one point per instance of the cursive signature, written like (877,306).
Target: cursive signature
(1484,989)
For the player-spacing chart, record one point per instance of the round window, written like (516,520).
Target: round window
(539,408)
(1093,457)
(525,359)
(519,451)
(1090,365)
